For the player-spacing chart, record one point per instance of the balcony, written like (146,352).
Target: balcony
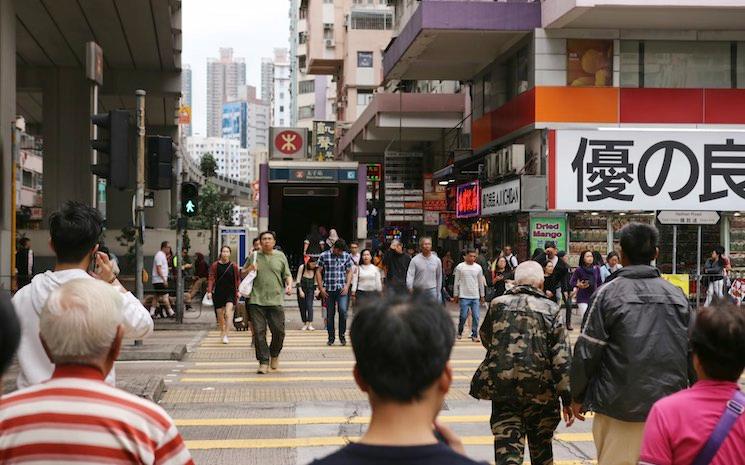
(454,40)
(680,15)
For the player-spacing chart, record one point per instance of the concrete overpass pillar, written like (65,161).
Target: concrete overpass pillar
(7,116)
(67,174)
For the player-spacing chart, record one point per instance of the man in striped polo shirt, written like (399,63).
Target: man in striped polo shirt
(76,417)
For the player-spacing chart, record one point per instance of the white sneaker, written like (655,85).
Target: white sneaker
(305,327)
(310,327)
(225,339)
(152,312)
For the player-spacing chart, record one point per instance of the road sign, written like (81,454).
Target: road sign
(688,217)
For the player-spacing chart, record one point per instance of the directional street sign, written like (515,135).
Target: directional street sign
(688,217)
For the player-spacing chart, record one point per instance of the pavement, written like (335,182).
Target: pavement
(309,407)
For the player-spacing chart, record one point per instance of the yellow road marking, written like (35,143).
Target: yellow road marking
(312,362)
(311,421)
(276,443)
(316,347)
(201,371)
(276,379)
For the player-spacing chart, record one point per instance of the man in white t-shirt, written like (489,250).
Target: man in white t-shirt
(160,280)
(468,291)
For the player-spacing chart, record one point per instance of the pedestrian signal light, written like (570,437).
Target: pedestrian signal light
(116,145)
(189,199)
(159,162)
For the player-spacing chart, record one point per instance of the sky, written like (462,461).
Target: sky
(252,27)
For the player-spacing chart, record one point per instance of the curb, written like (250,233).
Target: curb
(155,352)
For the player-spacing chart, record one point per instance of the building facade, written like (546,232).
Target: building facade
(345,41)
(225,75)
(281,89)
(186,95)
(29,180)
(267,79)
(247,120)
(587,118)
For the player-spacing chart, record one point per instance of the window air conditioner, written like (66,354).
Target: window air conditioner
(492,165)
(330,43)
(514,158)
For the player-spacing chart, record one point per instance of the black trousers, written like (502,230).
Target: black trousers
(263,317)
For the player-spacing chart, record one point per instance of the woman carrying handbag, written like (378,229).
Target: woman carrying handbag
(222,288)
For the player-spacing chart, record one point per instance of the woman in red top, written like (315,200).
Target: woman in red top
(222,286)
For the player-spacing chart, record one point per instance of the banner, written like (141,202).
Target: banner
(680,280)
(650,170)
(547,228)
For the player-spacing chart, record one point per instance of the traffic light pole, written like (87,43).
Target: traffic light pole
(140,194)
(179,231)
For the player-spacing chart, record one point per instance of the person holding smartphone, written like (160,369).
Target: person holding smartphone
(585,281)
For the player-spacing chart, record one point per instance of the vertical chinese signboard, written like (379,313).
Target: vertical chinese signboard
(468,200)
(654,170)
(323,140)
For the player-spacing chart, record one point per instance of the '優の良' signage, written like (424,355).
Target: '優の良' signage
(468,200)
(502,198)
(653,170)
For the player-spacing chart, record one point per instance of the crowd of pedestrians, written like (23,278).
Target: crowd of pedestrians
(661,381)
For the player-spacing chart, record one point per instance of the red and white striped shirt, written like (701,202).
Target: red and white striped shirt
(77,418)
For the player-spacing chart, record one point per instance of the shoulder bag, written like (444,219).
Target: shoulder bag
(247,284)
(735,408)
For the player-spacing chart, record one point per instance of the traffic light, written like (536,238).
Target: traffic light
(116,168)
(189,199)
(159,162)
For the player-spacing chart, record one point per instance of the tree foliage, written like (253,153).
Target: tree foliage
(208,166)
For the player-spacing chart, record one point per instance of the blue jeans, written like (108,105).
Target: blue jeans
(475,306)
(342,301)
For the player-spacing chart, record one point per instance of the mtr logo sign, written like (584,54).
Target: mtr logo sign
(289,143)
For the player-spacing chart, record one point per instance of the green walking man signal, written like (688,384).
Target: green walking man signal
(189,199)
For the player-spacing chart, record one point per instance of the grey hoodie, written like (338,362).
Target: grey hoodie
(29,301)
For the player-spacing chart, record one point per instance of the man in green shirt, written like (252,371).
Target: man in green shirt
(265,303)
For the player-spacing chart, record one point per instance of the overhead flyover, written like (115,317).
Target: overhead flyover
(42,78)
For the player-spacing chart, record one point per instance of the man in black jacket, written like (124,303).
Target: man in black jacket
(633,349)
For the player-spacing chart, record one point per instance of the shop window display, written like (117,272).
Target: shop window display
(619,221)
(737,242)
(587,232)
(687,244)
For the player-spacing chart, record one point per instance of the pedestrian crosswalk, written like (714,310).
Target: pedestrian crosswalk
(311,405)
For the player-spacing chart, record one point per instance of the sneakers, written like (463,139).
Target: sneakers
(460,336)
(274,363)
(343,341)
(152,312)
(330,343)
(475,339)
(310,327)
(305,327)
(171,313)
(225,339)
(263,369)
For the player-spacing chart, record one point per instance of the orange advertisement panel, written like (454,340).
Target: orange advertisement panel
(576,104)
(589,63)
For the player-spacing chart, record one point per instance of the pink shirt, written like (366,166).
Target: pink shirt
(679,425)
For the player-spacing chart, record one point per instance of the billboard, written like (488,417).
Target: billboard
(548,228)
(288,143)
(654,170)
(589,63)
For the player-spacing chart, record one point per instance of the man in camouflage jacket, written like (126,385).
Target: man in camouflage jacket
(526,369)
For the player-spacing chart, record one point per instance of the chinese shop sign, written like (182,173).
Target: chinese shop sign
(468,200)
(653,170)
(323,140)
(548,228)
